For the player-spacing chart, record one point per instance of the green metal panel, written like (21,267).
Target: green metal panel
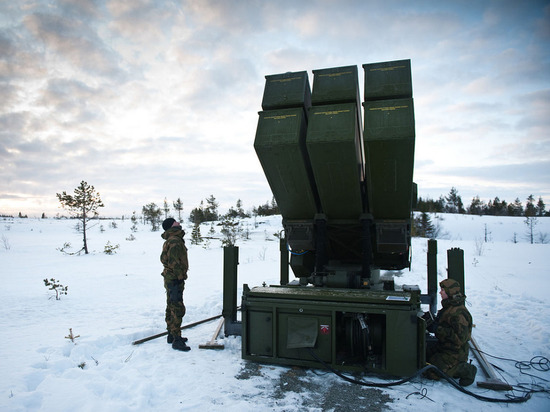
(261,325)
(389,152)
(389,119)
(287,331)
(351,296)
(388,80)
(400,340)
(335,85)
(280,146)
(390,165)
(286,90)
(401,327)
(334,146)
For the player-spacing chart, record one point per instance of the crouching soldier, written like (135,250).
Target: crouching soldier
(174,260)
(453,329)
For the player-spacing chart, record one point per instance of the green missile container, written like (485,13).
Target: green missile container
(335,85)
(280,146)
(340,85)
(389,152)
(286,90)
(335,151)
(389,119)
(388,80)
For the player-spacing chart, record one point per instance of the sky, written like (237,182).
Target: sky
(153,100)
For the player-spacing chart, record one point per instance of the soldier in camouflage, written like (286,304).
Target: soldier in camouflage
(453,329)
(174,260)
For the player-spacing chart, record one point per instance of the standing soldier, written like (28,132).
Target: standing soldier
(453,329)
(174,260)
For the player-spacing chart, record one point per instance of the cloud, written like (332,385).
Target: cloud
(18,60)
(154,99)
(77,42)
(86,10)
(140,22)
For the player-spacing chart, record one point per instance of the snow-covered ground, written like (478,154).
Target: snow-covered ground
(115,299)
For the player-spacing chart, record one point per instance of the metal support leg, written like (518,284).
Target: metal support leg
(284,261)
(432,275)
(230,262)
(455,266)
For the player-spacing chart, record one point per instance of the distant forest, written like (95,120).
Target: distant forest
(452,203)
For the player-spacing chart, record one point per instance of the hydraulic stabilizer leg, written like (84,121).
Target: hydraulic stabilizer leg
(431,297)
(366,246)
(432,275)
(284,260)
(321,258)
(455,266)
(230,262)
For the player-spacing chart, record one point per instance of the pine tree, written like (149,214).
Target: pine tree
(211,211)
(238,211)
(205,214)
(151,213)
(133,219)
(211,235)
(178,205)
(83,205)
(515,209)
(274,206)
(231,230)
(531,222)
(197,214)
(454,202)
(498,208)
(476,207)
(423,226)
(266,209)
(166,208)
(530,209)
(540,207)
(196,237)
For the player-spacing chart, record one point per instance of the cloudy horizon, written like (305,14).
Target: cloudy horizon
(147,100)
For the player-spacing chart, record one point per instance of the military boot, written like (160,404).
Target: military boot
(179,344)
(170,338)
(466,372)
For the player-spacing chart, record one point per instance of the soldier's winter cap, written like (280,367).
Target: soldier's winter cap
(167,224)
(450,286)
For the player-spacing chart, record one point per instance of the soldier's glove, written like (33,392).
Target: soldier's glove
(430,321)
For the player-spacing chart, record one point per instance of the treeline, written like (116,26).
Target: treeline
(207,211)
(231,224)
(452,203)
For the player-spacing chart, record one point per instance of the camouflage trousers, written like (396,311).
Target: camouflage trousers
(175,309)
(449,362)
(463,371)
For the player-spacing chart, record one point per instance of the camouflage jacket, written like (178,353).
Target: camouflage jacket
(454,327)
(174,255)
